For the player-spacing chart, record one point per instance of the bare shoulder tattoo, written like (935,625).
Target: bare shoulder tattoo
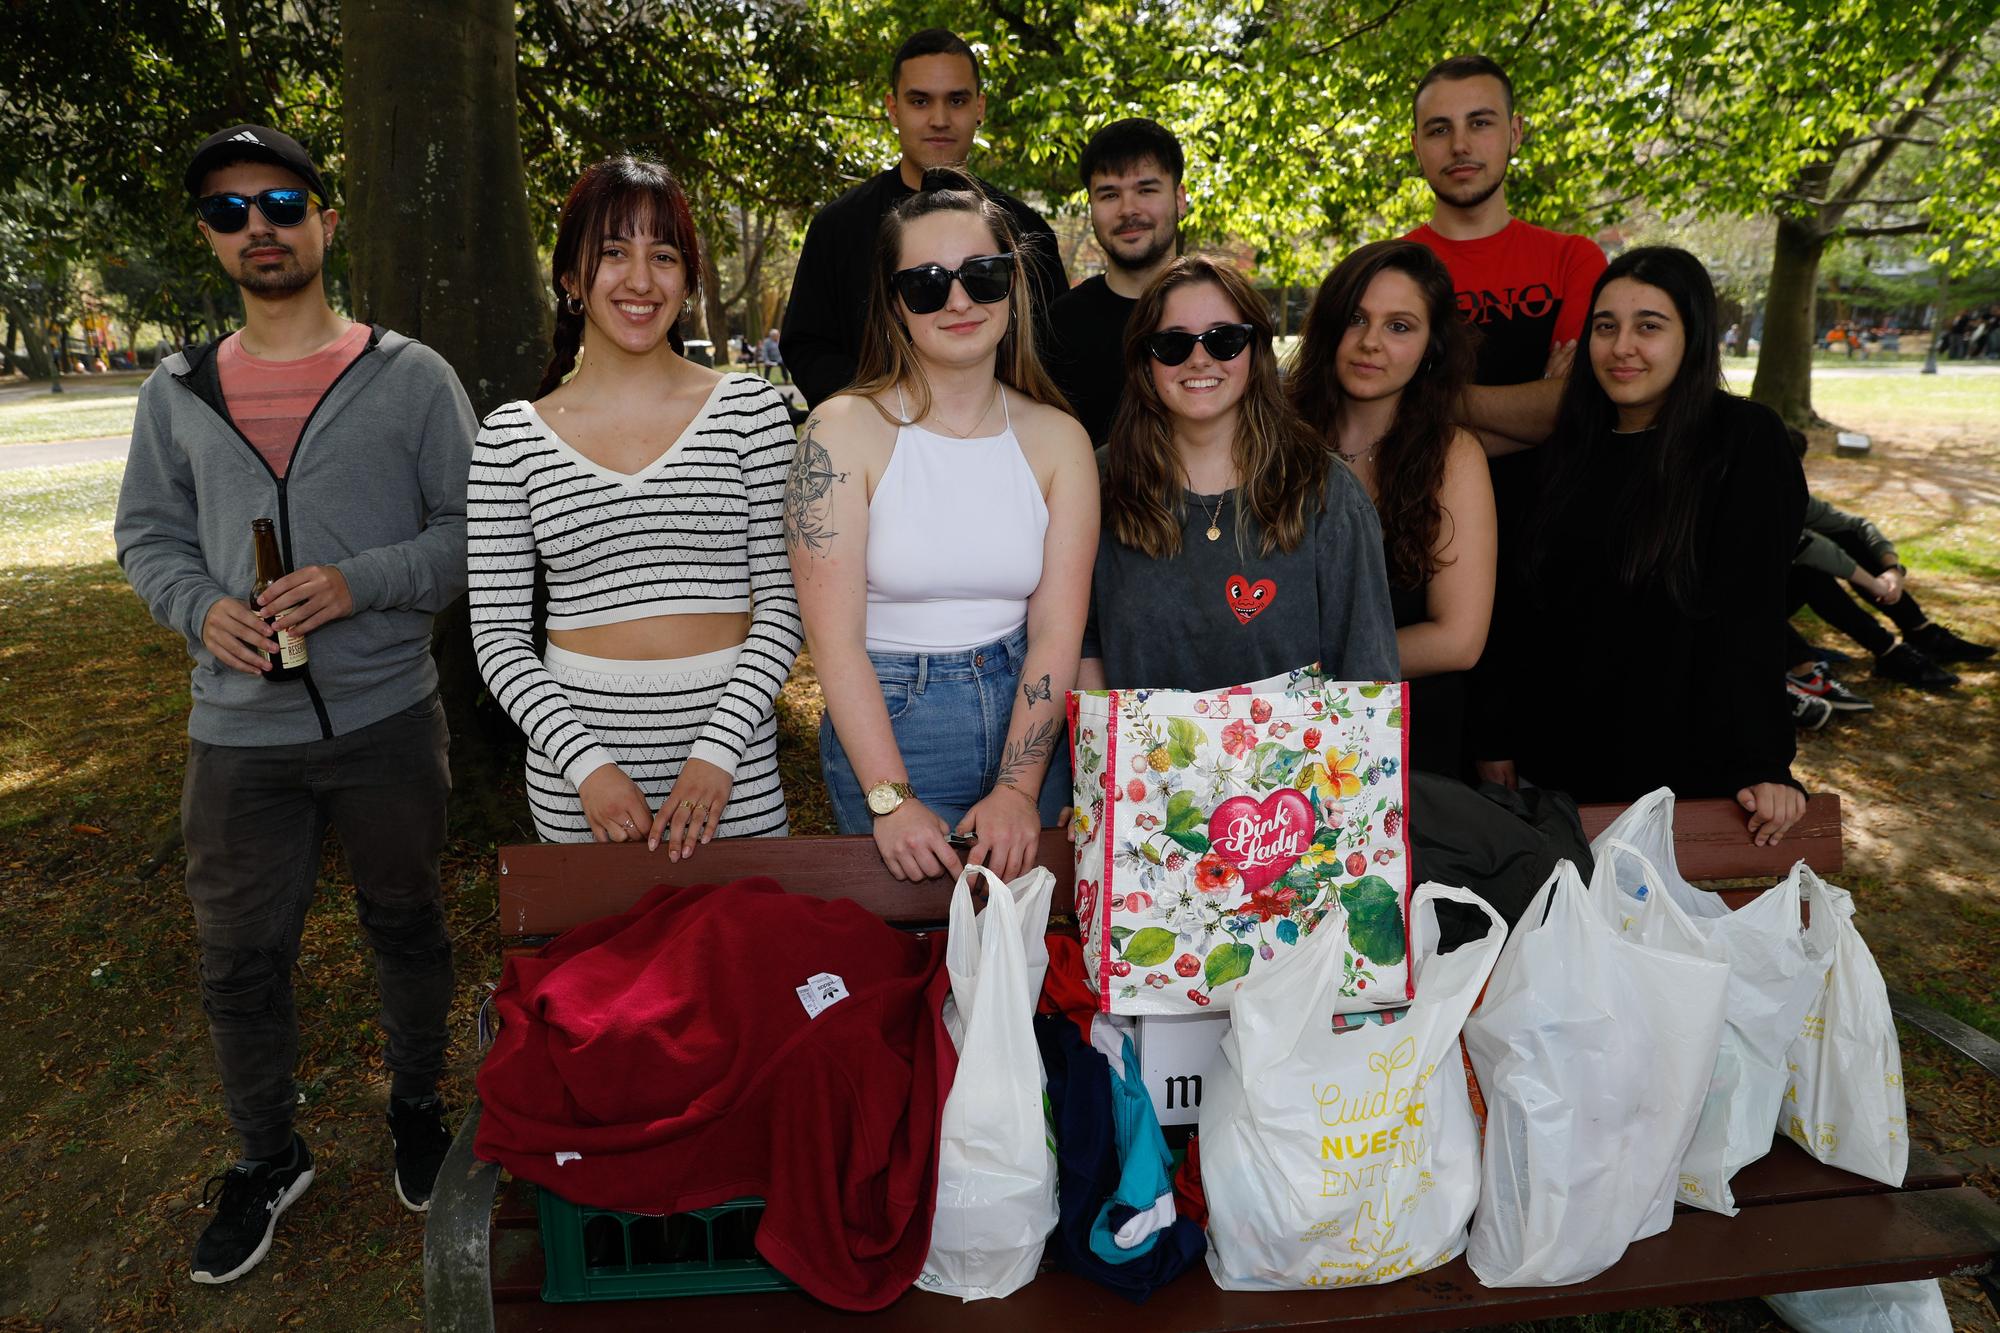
(808,496)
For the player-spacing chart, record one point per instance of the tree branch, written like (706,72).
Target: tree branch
(1890,229)
(1032,37)
(1528,33)
(1396,7)
(1864,175)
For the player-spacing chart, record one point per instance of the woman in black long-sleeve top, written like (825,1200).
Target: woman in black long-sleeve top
(1643,640)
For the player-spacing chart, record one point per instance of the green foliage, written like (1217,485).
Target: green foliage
(1295,113)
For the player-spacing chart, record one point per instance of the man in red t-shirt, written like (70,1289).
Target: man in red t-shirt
(1523,287)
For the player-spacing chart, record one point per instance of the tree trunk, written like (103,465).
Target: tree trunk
(1784,366)
(443,251)
(437,201)
(715,314)
(32,345)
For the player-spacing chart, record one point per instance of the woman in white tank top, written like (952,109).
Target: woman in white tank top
(941,516)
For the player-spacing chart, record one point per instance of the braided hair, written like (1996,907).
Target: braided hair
(621,195)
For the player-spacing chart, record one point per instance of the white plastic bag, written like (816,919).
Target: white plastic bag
(1844,1101)
(1772,982)
(996,1201)
(1883,1307)
(1594,1053)
(1622,888)
(1343,1158)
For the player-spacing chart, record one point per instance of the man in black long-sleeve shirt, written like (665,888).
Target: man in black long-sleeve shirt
(936,105)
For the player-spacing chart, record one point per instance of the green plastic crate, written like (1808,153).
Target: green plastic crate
(595,1254)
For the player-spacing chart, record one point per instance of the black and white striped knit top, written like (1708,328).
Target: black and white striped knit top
(700,529)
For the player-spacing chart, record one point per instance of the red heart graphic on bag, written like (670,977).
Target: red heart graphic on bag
(1262,838)
(1247,599)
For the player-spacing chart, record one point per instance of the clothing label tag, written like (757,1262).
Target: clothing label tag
(565,1158)
(821,990)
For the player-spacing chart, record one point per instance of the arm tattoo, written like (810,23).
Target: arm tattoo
(1032,748)
(1037,690)
(808,492)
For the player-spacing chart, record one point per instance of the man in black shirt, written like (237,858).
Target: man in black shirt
(1132,170)
(936,105)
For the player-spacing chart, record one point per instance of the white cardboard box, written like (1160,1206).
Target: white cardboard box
(1176,1054)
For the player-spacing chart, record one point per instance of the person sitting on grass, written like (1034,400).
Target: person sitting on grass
(1838,548)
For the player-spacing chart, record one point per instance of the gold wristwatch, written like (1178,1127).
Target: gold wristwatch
(885,798)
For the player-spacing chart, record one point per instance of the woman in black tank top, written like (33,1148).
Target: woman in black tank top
(1378,372)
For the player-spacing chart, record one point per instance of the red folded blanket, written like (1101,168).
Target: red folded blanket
(665,1060)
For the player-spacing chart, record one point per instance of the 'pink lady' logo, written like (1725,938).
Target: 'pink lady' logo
(1262,839)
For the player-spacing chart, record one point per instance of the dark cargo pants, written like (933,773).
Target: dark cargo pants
(255,820)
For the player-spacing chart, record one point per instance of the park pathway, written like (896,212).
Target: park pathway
(65,452)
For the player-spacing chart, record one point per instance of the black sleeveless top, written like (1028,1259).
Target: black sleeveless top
(1435,716)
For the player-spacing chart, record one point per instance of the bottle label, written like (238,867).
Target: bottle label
(291,649)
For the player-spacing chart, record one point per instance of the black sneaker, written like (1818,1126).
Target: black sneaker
(1819,683)
(1912,667)
(254,1196)
(1809,711)
(417,1126)
(1941,645)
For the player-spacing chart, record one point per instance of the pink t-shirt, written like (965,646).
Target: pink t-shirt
(270,400)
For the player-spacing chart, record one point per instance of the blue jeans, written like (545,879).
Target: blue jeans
(949,713)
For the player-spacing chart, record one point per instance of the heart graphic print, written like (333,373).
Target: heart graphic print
(1262,839)
(1247,599)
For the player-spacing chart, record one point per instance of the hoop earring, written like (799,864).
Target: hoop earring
(573,305)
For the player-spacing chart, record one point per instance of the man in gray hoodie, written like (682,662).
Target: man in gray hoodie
(316,703)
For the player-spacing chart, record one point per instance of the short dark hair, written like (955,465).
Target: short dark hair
(932,42)
(1123,144)
(1464,67)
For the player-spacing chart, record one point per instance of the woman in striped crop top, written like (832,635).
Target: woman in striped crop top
(942,515)
(649,492)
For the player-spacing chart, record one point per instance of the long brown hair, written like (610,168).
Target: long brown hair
(623,195)
(1410,459)
(1281,461)
(889,358)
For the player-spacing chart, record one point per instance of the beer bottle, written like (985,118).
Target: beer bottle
(289,662)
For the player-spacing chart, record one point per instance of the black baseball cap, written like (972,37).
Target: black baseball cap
(253,143)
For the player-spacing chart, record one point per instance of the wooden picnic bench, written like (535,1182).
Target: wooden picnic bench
(1803,1225)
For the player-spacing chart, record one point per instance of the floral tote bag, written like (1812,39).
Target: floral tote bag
(1215,831)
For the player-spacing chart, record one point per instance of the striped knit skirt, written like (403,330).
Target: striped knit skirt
(649,714)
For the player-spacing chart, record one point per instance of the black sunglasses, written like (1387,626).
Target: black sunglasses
(1225,342)
(231,212)
(925,288)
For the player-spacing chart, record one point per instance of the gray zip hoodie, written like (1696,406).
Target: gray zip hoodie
(376,488)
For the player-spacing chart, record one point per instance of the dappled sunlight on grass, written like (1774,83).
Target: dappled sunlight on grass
(78,413)
(57,517)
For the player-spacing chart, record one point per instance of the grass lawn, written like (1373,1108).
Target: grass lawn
(85,410)
(110,1117)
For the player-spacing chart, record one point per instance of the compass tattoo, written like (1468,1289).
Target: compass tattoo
(808,496)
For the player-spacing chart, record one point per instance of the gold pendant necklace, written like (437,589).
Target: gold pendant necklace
(1214,531)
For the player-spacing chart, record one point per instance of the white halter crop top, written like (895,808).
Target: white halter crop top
(954,541)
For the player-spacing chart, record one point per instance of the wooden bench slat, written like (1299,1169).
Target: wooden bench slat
(545,888)
(1710,840)
(1788,1174)
(1703,1257)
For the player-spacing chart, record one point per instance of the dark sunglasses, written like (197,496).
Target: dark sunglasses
(231,212)
(925,288)
(1225,342)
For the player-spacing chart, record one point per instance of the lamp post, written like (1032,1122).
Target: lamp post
(1943,312)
